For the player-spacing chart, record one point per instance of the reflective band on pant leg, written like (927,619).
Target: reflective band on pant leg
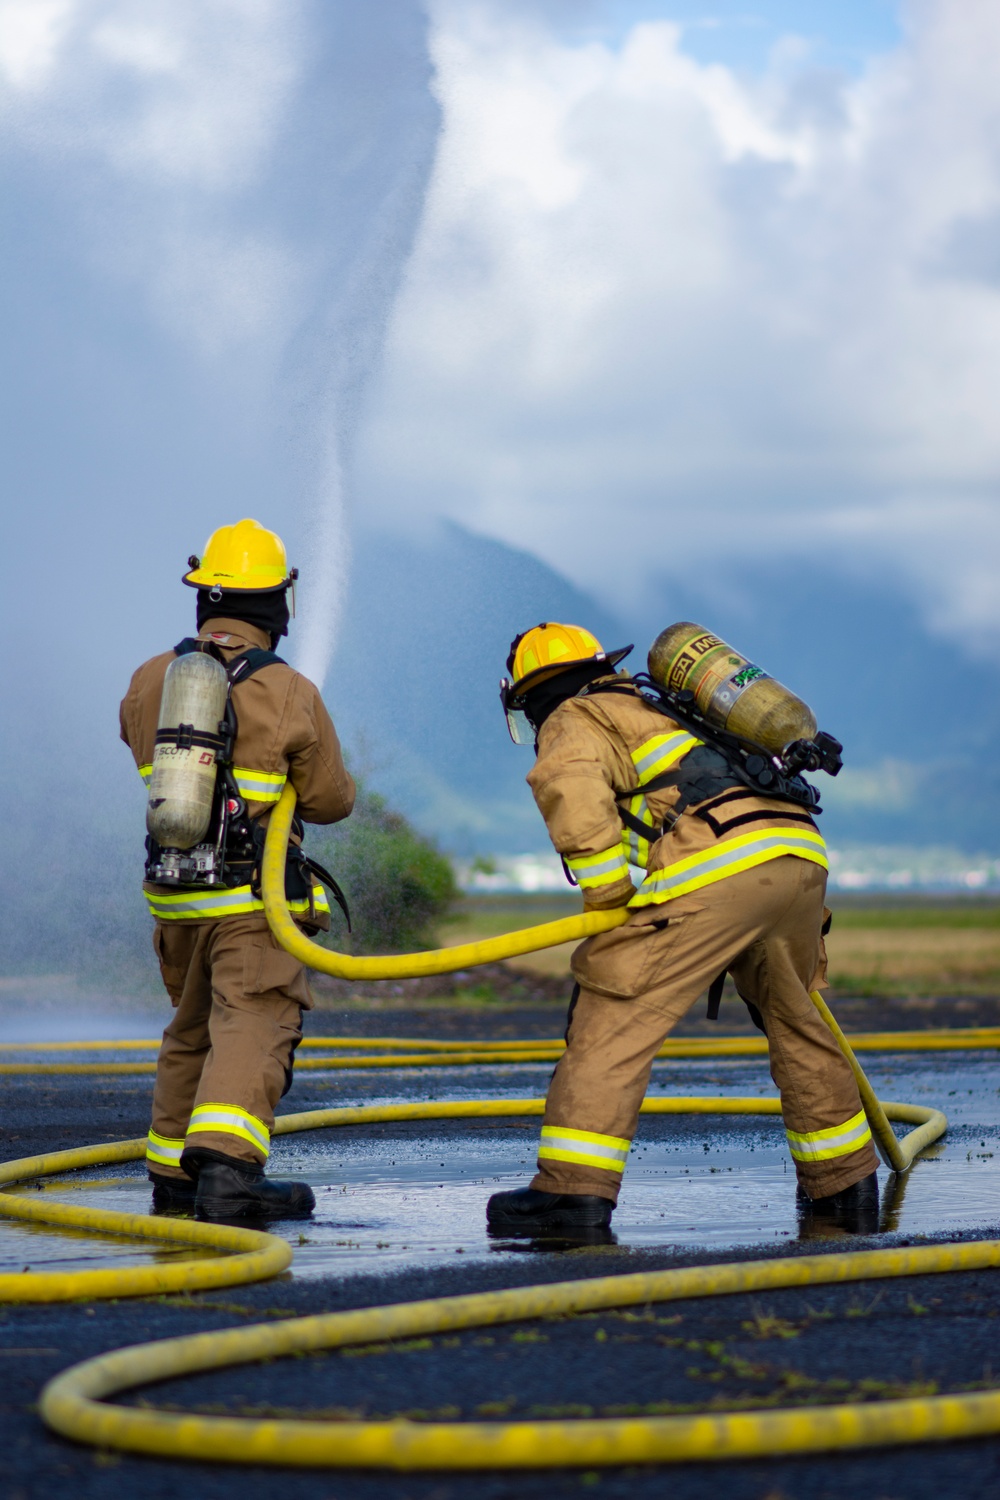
(584,1148)
(823,1145)
(228,1119)
(163,1150)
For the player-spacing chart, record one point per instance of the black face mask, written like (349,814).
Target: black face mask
(543,700)
(267,610)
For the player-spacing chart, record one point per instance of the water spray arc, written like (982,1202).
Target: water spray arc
(367,230)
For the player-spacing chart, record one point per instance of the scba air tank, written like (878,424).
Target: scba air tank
(730,691)
(182,784)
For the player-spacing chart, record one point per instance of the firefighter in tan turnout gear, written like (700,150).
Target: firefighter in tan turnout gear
(226,1057)
(732,880)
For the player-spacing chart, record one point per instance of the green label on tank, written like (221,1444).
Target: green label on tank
(731,688)
(749,674)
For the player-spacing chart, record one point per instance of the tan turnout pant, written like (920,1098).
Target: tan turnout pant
(226,1056)
(637,981)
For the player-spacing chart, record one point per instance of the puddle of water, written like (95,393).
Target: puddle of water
(417,1194)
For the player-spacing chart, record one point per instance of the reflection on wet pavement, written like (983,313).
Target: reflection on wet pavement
(410,1194)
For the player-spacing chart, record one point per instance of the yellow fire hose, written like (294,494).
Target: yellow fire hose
(74,1402)
(404,965)
(420,1052)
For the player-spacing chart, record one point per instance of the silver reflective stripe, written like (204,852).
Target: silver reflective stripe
(639,808)
(219,903)
(662,752)
(583,1147)
(230,1120)
(729,859)
(603,868)
(259,786)
(839,1140)
(163,1149)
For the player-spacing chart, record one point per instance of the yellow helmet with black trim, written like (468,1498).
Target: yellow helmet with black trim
(543,652)
(243,556)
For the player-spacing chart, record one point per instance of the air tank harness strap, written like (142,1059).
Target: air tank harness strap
(238,667)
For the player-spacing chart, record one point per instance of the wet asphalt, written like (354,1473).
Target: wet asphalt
(866,1341)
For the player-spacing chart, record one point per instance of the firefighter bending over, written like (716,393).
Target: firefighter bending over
(216,727)
(733,880)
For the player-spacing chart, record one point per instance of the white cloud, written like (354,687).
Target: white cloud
(657,298)
(162,117)
(31,32)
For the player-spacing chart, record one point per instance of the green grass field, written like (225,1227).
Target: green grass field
(880,945)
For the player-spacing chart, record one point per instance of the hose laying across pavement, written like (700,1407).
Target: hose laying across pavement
(951,1039)
(259,1255)
(73,1402)
(418,1052)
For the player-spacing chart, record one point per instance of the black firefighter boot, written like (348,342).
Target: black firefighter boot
(527,1211)
(172,1195)
(229,1188)
(854,1208)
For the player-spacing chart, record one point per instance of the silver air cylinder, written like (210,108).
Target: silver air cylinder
(182,785)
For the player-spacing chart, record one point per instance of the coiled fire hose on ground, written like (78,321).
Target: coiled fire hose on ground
(75,1402)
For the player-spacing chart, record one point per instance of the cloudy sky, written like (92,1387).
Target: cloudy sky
(614,281)
(710,277)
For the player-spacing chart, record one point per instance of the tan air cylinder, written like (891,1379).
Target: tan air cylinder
(182,786)
(729,690)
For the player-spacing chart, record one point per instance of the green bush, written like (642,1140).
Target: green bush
(398,884)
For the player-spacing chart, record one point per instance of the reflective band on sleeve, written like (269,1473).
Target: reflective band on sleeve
(163,1149)
(146,772)
(661,752)
(228,1119)
(259,786)
(584,1148)
(839,1140)
(605,868)
(729,858)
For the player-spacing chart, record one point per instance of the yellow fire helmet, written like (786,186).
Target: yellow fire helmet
(541,653)
(244,556)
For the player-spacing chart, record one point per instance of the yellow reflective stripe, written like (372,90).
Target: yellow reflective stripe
(729,858)
(661,752)
(229,1119)
(585,1148)
(198,906)
(259,786)
(838,1140)
(164,1149)
(605,868)
(146,772)
(320,903)
(636,849)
